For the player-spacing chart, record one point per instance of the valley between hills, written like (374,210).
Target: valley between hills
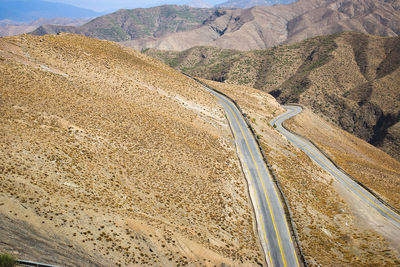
(112,158)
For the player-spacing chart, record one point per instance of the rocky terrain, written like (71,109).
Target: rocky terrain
(332,228)
(242,29)
(111,158)
(9,28)
(350,79)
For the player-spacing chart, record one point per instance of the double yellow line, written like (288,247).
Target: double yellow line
(265,193)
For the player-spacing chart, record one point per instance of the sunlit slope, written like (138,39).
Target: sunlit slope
(110,157)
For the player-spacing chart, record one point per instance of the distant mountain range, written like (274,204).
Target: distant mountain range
(137,24)
(199,4)
(30,10)
(252,3)
(9,27)
(182,27)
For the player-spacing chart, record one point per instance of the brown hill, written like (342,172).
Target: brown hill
(350,79)
(111,158)
(149,23)
(180,28)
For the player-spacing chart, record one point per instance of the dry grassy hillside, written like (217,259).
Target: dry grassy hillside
(110,158)
(331,230)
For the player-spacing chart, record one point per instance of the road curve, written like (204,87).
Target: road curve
(272,224)
(326,164)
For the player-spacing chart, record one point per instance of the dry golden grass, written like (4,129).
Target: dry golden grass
(122,156)
(329,231)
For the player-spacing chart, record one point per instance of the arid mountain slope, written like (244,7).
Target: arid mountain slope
(149,23)
(263,27)
(111,158)
(242,29)
(350,79)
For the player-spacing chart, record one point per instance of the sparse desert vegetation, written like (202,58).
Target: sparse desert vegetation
(330,231)
(109,157)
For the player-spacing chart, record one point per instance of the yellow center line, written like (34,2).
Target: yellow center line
(258,206)
(259,175)
(344,180)
(255,195)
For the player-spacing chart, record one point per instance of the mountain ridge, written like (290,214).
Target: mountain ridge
(243,29)
(138,23)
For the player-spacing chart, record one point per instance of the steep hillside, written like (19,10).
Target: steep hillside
(148,24)
(111,158)
(350,79)
(180,28)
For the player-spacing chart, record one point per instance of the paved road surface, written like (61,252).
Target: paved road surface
(326,164)
(273,229)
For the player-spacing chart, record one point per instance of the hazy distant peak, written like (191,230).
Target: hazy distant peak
(251,3)
(199,4)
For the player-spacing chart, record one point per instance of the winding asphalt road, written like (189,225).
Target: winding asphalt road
(326,164)
(272,225)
